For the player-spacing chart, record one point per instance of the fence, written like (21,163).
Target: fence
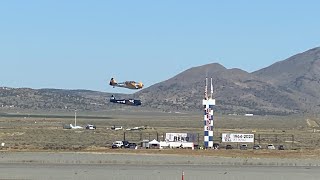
(290,141)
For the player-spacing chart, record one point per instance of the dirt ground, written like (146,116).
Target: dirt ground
(47,134)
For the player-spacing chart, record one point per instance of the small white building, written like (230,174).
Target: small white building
(154,144)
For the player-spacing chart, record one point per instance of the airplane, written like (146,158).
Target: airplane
(75,127)
(126,84)
(132,102)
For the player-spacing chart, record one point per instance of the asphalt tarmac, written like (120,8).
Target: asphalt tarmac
(39,165)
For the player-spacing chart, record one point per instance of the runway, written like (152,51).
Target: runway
(141,167)
(156,172)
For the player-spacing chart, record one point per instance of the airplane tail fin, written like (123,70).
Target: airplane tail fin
(71,126)
(113,82)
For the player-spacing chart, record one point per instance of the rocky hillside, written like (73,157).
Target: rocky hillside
(51,99)
(59,100)
(235,90)
(299,75)
(286,87)
(289,86)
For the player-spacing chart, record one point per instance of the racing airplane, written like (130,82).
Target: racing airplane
(132,102)
(126,84)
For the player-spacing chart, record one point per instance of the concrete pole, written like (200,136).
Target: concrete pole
(75,117)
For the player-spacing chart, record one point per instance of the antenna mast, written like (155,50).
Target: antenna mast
(206,89)
(211,90)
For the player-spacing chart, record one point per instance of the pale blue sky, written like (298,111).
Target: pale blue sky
(82,44)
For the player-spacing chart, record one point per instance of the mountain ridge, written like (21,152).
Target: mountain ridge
(285,87)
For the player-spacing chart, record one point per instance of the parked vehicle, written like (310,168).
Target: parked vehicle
(216,146)
(116,128)
(244,147)
(90,126)
(132,145)
(257,146)
(126,144)
(229,146)
(281,147)
(270,146)
(66,126)
(117,144)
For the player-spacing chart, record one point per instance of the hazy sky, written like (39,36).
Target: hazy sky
(82,44)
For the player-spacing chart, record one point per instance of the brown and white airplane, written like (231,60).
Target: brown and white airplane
(126,84)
